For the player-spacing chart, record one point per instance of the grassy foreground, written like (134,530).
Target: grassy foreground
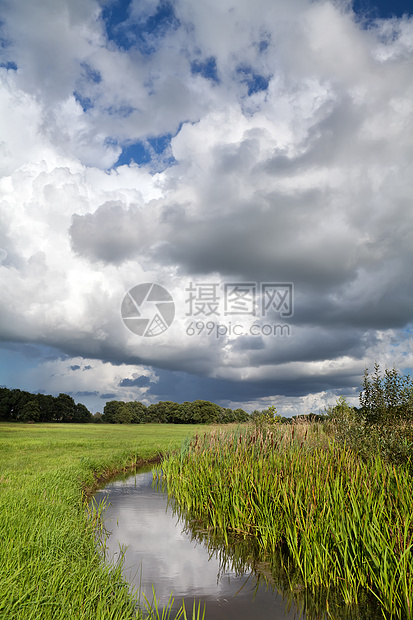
(347,524)
(49,566)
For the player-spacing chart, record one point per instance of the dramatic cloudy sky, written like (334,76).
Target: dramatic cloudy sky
(211,147)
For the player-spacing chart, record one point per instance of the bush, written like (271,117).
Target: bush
(386,399)
(266,418)
(384,423)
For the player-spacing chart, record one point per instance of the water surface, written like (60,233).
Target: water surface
(159,551)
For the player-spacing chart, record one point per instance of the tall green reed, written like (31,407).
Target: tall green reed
(347,524)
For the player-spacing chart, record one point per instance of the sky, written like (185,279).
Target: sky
(205,200)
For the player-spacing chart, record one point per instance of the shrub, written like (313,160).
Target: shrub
(386,399)
(266,418)
(383,425)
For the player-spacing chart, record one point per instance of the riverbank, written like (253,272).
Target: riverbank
(50,568)
(347,523)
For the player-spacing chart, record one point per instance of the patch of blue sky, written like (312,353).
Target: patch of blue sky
(207,68)
(160,143)
(121,111)
(5,44)
(85,102)
(382,9)
(114,14)
(262,46)
(143,35)
(85,86)
(254,81)
(136,153)
(90,74)
(155,150)
(9,65)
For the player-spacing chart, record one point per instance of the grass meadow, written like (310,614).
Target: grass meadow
(346,523)
(50,566)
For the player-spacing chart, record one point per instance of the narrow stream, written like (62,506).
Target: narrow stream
(160,550)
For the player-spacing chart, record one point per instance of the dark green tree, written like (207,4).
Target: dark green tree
(123,415)
(30,411)
(15,400)
(241,415)
(64,408)
(4,404)
(81,414)
(47,407)
(159,412)
(175,413)
(204,412)
(110,410)
(138,411)
(227,416)
(185,414)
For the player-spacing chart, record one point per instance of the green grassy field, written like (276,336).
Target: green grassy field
(50,567)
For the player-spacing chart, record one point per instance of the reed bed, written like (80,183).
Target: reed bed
(347,524)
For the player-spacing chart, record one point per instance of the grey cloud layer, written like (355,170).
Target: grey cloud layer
(307,180)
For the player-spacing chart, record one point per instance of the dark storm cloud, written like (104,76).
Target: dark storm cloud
(180,386)
(272,237)
(141,381)
(306,345)
(34,351)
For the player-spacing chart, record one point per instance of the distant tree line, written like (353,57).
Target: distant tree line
(20,406)
(168,412)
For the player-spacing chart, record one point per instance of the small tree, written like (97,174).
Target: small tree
(386,399)
(266,417)
(341,412)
